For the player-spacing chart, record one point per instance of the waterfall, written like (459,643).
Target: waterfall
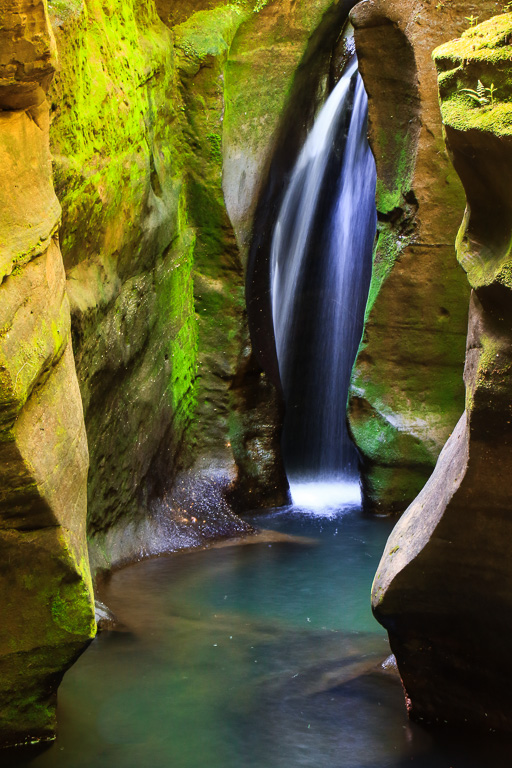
(320,274)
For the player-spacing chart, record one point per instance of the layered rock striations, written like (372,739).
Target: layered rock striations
(407,390)
(165,118)
(154,274)
(443,588)
(153,126)
(46,593)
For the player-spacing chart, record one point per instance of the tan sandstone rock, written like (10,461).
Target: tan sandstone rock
(407,389)
(444,585)
(47,614)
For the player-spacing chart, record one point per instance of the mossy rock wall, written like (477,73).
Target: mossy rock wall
(407,389)
(45,584)
(443,587)
(127,244)
(151,110)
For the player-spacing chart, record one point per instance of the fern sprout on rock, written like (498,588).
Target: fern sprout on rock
(482,95)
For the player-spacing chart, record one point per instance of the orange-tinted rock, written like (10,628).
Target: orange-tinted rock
(27,53)
(45,586)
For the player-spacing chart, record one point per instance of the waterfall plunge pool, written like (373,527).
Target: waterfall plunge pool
(261,656)
(325,496)
(321,263)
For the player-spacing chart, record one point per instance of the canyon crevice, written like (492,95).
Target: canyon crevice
(145,148)
(443,585)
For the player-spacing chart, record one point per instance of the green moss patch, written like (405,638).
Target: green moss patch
(475,78)
(490,42)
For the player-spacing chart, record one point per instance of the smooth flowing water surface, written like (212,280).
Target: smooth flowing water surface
(321,261)
(255,656)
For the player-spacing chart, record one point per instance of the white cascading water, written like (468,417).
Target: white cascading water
(320,275)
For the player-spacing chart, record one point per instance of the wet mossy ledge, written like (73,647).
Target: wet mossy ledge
(475,85)
(474,78)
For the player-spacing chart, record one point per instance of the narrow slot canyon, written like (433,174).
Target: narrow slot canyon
(255,343)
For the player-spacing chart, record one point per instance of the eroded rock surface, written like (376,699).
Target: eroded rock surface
(46,593)
(164,121)
(154,273)
(444,585)
(407,389)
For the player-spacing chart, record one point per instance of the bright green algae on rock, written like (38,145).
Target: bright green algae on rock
(202,46)
(126,241)
(482,54)
(142,113)
(154,274)
(475,86)
(47,618)
(209,33)
(487,42)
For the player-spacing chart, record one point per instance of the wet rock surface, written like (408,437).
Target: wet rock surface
(154,256)
(105,618)
(45,584)
(407,388)
(444,583)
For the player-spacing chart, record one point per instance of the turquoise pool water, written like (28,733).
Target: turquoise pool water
(257,656)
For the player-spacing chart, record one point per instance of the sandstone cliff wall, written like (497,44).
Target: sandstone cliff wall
(158,114)
(164,122)
(45,584)
(407,388)
(443,588)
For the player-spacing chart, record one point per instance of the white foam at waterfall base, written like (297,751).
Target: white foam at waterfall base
(321,258)
(327,497)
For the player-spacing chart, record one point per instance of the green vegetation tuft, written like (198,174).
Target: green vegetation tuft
(487,42)
(475,78)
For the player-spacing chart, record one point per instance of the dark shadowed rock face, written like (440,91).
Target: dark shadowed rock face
(407,388)
(444,585)
(47,613)
(154,273)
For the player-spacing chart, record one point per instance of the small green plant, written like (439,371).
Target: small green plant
(473,20)
(482,95)
(491,91)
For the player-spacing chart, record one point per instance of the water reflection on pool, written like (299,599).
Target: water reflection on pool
(261,656)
